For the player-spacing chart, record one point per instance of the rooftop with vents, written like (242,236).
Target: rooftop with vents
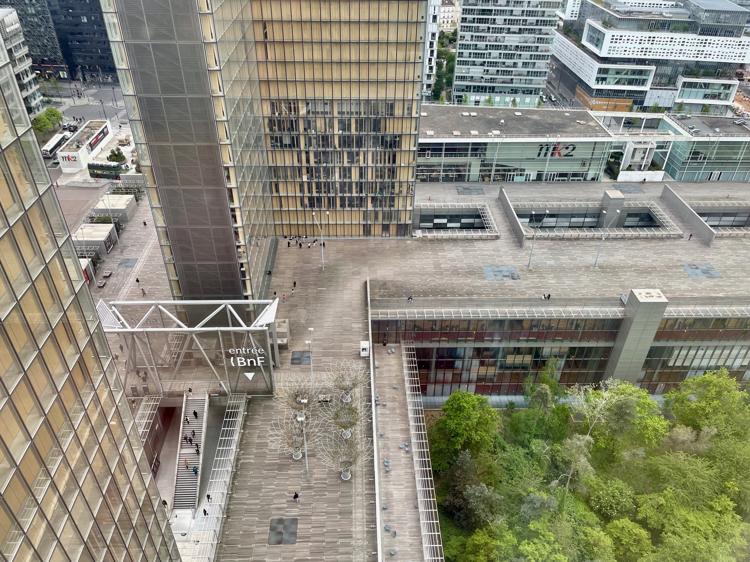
(456,121)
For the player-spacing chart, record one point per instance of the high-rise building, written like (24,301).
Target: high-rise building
(74,482)
(656,54)
(430,48)
(504,47)
(271,117)
(450,13)
(83,38)
(13,42)
(39,32)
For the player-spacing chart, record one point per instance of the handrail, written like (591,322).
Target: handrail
(374,416)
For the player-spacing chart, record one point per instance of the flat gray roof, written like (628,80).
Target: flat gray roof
(443,120)
(719,5)
(471,273)
(706,126)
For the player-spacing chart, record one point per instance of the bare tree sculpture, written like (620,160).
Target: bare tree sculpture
(347,376)
(343,455)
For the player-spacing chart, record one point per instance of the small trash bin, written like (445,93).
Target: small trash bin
(364,349)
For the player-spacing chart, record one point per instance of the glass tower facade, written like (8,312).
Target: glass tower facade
(340,85)
(274,117)
(74,482)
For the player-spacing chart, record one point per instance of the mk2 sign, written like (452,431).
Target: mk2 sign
(555,150)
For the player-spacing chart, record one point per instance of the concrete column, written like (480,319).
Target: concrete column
(643,313)
(612,202)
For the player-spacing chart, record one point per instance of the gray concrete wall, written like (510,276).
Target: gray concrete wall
(643,314)
(698,227)
(515,224)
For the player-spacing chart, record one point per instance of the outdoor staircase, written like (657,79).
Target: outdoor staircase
(186,482)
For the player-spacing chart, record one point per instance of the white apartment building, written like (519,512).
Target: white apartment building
(450,13)
(635,54)
(432,31)
(14,44)
(504,47)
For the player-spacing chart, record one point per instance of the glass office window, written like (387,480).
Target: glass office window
(19,336)
(12,264)
(20,173)
(10,370)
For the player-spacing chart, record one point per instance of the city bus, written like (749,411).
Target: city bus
(54,144)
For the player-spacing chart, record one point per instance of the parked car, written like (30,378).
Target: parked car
(101,284)
(107,274)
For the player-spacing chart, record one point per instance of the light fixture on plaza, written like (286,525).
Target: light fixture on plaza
(322,248)
(533,239)
(604,236)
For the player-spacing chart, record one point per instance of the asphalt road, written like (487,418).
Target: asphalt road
(98,102)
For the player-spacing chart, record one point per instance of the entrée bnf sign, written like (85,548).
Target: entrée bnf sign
(247,357)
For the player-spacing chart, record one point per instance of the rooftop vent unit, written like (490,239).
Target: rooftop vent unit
(566,114)
(423,114)
(517,113)
(456,133)
(502,121)
(474,133)
(430,133)
(717,130)
(473,113)
(495,132)
(465,113)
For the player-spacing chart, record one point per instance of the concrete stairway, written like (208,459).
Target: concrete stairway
(186,482)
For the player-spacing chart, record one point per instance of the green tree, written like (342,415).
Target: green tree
(542,546)
(467,422)
(611,498)
(53,115)
(712,400)
(438,87)
(705,108)
(631,541)
(42,125)
(116,155)
(495,543)
(483,505)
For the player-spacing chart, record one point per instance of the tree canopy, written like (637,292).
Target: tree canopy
(600,472)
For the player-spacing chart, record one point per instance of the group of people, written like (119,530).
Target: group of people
(300,241)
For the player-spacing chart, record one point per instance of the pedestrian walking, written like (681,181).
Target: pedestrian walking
(292,290)
(137,280)
(193,433)
(205,513)
(195,414)
(197,449)
(274,294)
(190,440)
(295,497)
(283,297)
(195,470)
(323,243)
(121,349)
(691,236)
(144,223)
(385,341)
(288,244)
(164,503)
(190,392)
(185,438)
(187,466)
(300,244)
(409,299)
(208,497)
(143,292)
(308,244)
(294,285)
(187,420)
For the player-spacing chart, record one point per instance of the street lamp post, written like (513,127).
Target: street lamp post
(309,346)
(111,216)
(301,418)
(533,239)
(114,98)
(604,236)
(104,112)
(322,248)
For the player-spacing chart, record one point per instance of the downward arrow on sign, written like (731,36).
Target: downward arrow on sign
(250,376)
